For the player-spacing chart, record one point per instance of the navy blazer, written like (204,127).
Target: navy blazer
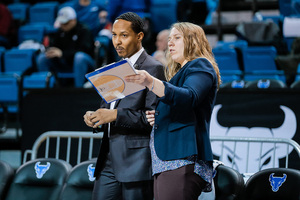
(182,117)
(128,143)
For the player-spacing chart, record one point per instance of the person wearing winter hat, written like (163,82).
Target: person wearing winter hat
(71,48)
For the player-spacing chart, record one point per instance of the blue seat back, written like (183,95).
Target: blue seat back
(19,11)
(162,14)
(18,60)
(9,89)
(285,7)
(226,58)
(259,58)
(39,80)
(227,61)
(31,32)
(43,12)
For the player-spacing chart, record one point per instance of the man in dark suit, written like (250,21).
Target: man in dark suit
(123,168)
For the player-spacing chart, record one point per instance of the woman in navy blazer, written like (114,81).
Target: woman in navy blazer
(180,144)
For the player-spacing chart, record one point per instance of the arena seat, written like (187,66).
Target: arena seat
(35,32)
(273,183)
(235,84)
(39,80)
(80,182)
(16,63)
(19,11)
(162,14)
(265,84)
(229,183)
(43,12)
(285,7)
(6,176)
(18,60)
(259,62)
(38,179)
(227,61)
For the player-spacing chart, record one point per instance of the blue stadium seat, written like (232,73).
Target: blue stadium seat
(43,12)
(38,80)
(162,14)
(241,44)
(19,11)
(285,7)
(227,61)
(38,179)
(34,32)
(16,63)
(80,182)
(259,63)
(18,60)
(9,85)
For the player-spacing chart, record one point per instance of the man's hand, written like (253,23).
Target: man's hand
(87,118)
(99,117)
(53,52)
(103,116)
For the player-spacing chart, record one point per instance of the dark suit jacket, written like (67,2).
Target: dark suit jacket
(182,117)
(128,143)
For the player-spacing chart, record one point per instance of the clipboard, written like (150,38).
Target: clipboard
(109,81)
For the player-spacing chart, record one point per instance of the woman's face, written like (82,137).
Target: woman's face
(176,46)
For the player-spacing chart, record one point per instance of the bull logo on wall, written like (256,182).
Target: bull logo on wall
(235,156)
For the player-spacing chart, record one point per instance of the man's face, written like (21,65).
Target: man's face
(125,40)
(69,25)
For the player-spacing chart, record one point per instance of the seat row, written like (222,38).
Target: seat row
(49,178)
(237,61)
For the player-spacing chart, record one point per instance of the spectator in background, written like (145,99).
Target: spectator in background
(91,14)
(71,48)
(161,46)
(7,29)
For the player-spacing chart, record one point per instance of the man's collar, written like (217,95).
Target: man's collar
(135,56)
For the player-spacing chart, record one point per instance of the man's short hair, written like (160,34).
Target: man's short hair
(137,23)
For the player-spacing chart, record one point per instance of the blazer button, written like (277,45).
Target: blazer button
(155,126)
(156,112)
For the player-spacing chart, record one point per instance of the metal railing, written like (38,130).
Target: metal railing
(80,135)
(289,144)
(58,135)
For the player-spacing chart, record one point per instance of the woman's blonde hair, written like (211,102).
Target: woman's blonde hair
(195,46)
